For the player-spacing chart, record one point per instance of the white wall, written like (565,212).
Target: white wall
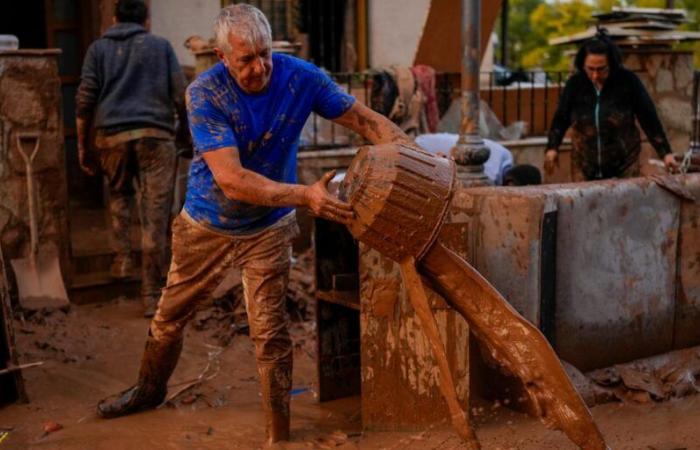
(395,28)
(176,20)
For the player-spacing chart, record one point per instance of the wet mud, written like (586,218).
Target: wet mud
(93,350)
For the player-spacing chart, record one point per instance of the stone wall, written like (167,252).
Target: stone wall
(30,101)
(668,76)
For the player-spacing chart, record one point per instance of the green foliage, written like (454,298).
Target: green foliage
(533,22)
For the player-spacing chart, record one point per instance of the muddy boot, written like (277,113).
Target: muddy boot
(121,267)
(158,362)
(276,383)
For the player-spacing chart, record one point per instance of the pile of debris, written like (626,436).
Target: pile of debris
(637,27)
(658,378)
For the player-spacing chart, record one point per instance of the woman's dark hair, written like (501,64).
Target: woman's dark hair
(601,44)
(134,11)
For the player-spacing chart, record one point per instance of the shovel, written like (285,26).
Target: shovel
(39,279)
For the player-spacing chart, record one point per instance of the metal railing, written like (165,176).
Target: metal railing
(530,97)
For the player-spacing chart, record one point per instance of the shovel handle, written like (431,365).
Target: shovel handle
(28,163)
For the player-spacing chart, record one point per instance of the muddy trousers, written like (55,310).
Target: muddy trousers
(149,162)
(201,258)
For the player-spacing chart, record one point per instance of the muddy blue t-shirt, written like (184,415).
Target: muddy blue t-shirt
(265,129)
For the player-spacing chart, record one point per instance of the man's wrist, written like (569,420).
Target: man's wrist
(302,193)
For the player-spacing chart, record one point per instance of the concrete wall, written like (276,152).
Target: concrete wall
(624,280)
(176,20)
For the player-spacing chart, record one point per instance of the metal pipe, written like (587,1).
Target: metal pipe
(470,153)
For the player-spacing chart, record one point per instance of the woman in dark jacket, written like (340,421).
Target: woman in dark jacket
(600,103)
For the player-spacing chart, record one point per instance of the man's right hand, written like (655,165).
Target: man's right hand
(324,205)
(551,161)
(84,161)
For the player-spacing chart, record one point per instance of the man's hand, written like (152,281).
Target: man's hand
(551,161)
(85,162)
(324,205)
(671,164)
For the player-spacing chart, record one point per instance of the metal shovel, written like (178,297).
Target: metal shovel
(39,279)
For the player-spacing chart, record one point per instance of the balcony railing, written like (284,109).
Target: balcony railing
(529,97)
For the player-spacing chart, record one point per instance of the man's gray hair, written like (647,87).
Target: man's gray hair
(243,20)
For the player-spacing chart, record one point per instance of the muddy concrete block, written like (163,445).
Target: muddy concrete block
(687,313)
(616,271)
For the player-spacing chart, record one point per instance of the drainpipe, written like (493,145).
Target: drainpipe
(470,153)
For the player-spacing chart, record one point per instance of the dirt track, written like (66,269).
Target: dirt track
(94,351)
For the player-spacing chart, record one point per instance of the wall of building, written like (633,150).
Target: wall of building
(176,20)
(395,28)
(668,76)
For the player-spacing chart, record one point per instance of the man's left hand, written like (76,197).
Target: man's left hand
(323,204)
(671,163)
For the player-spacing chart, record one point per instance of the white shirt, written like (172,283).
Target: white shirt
(500,158)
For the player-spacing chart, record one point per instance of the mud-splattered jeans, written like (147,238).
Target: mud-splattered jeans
(151,163)
(201,258)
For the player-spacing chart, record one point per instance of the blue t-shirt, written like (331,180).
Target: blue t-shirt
(265,129)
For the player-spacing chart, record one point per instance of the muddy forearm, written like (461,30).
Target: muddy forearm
(372,126)
(82,127)
(247,186)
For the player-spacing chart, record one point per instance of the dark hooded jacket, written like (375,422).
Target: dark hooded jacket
(130,79)
(609,147)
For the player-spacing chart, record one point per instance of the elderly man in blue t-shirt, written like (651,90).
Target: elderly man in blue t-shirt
(246,114)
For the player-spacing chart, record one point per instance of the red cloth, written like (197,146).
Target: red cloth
(425,77)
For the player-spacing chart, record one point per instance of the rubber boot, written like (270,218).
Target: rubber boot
(158,363)
(276,383)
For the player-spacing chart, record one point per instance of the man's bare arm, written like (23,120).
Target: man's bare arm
(241,184)
(372,126)
(82,131)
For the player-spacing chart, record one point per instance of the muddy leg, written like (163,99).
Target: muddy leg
(201,259)
(266,262)
(515,343)
(116,164)
(156,159)
(265,293)
(419,300)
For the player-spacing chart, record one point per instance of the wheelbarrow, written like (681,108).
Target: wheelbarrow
(39,279)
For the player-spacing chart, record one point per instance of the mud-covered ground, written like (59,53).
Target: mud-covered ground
(94,351)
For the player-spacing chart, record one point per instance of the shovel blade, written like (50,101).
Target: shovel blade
(41,285)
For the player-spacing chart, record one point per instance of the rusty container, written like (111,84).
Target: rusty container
(400,195)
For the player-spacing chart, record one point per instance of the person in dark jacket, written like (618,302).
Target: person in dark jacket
(600,103)
(130,91)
